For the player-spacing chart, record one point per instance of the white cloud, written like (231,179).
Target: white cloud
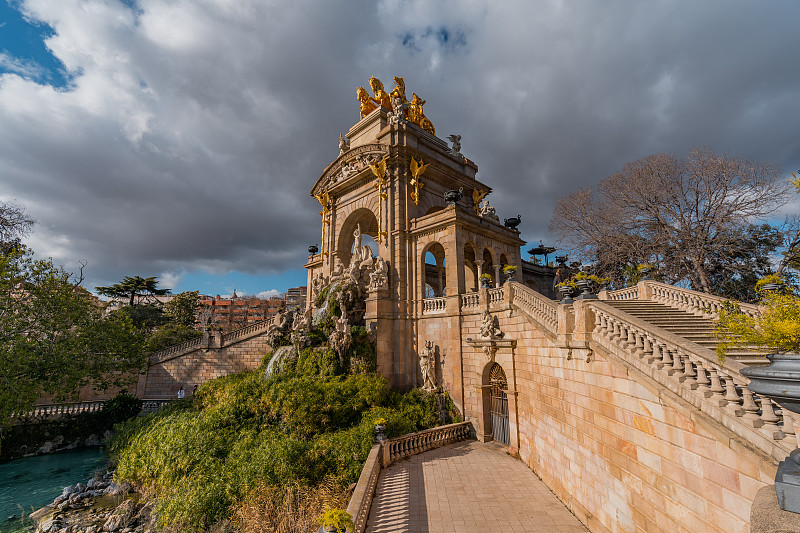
(192,130)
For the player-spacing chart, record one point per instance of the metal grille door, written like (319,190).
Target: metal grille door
(499,409)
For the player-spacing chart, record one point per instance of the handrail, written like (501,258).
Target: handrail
(696,375)
(534,304)
(252,328)
(434,305)
(160,355)
(59,409)
(691,301)
(496,295)
(472,299)
(628,293)
(390,451)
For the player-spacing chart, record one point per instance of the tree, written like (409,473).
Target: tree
(54,339)
(135,289)
(692,218)
(182,309)
(14,224)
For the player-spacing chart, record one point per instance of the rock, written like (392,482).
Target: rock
(107,434)
(49,526)
(47,447)
(80,487)
(94,482)
(90,529)
(92,440)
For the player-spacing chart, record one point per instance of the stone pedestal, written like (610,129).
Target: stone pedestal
(379,318)
(766,516)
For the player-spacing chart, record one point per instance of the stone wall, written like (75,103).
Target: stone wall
(186,370)
(624,454)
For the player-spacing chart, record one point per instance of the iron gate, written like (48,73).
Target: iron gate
(499,408)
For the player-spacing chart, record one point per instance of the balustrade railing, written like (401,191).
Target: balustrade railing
(535,305)
(61,409)
(149,406)
(247,330)
(496,295)
(694,373)
(177,348)
(422,441)
(472,299)
(434,305)
(691,301)
(628,293)
(392,450)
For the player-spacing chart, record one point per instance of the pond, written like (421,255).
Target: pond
(33,482)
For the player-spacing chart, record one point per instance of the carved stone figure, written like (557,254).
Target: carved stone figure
(489,326)
(338,270)
(348,169)
(379,278)
(361,254)
(456,140)
(427,365)
(280,326)
(341,338)
(487,211)
(344,144)
(318,283)
(381,97)
(367,106)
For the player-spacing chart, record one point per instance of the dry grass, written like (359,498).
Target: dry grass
(292,509)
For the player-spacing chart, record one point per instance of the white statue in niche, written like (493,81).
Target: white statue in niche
(361,254)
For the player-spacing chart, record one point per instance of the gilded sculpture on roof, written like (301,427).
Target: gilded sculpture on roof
(411,110)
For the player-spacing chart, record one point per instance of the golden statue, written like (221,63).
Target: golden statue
(379,170)
(477,196)
(417,170)
(417,116)
(399,91)
(381,98)
(367,105)
(325,201)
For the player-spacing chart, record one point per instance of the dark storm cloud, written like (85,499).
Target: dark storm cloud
(194,130)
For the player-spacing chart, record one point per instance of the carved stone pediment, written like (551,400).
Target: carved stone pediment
(348,166)
(490,346)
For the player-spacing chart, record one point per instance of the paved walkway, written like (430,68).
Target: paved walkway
(467,486)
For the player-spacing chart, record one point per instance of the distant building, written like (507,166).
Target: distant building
(237,312)
(296,298)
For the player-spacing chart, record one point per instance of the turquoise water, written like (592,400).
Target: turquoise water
(34,482)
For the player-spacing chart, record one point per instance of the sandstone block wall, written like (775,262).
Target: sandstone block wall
(164,379)
(623,453)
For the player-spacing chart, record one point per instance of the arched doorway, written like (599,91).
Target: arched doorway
(434,271)
(498,390)
(363,219)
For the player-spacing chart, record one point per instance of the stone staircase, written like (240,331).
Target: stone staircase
(697,329)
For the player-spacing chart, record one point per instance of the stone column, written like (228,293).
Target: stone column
(441,285)
(496,275)
(479,262)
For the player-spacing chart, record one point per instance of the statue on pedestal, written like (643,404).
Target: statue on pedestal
(489,327)
(427,365)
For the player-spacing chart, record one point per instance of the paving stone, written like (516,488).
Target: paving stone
(464,487)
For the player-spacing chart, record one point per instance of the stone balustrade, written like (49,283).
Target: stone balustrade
(472,299)
(152,405)
(392,450)
(53,410)
(542,309)
(422,441)
(628,293)
(695,374)
(434,305)
(691,301)
(161,355)
(256,327)
(496,295)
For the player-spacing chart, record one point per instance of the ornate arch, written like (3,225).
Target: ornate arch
(344,232)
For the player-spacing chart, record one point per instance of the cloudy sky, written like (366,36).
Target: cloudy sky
(180,138)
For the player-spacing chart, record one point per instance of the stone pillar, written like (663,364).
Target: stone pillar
(479,264)
(441,285)
(645,290)
(379,320)
(218,338)
(496,276)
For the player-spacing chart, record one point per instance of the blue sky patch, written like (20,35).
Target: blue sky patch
(22,48)
(449,39)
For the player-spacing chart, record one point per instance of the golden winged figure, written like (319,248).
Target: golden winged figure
(477,196)
(324,201)
(380,169)
(417,170)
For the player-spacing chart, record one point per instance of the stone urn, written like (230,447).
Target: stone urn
(510,275)
(486,283)
(313,249)
(451,197)
(780,381)
(566,294)
(646,273)
(585,286)
(379,435)
(770,287)
(513,222)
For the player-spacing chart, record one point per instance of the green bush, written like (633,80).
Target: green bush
(201,457)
